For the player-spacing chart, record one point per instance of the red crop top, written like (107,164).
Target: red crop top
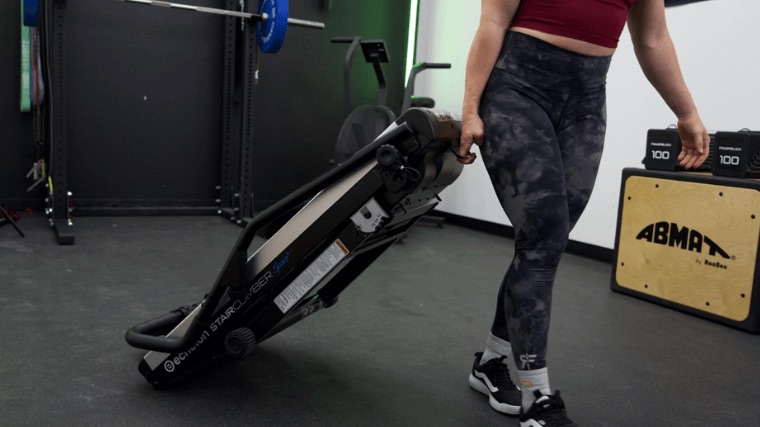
(595,21)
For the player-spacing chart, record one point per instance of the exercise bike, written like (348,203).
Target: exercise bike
(364,123)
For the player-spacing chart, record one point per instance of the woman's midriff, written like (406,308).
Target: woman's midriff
(573,45)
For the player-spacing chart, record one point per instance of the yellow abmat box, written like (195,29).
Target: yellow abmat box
(689,241)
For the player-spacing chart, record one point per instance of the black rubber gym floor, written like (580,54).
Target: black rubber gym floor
(395,351)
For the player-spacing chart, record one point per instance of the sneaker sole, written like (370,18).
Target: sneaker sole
(504,408)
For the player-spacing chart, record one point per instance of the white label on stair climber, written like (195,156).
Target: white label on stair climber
(311,276)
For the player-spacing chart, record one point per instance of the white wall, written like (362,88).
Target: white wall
(718,44)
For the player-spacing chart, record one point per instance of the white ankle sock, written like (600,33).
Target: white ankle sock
(533,380)
(495,348)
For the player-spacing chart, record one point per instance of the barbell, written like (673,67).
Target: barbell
(272,19)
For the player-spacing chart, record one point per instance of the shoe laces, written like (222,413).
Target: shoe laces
(500,373)
(551,409)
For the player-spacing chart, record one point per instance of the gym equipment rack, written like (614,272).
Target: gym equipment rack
(235,193)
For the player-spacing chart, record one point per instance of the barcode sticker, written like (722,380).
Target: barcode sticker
(311,276)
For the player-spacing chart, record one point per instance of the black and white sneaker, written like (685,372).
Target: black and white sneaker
(492,379)
(546,411)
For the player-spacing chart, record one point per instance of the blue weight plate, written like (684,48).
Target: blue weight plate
(31,13)
(271,34)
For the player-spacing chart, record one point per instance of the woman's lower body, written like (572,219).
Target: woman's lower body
(544,115)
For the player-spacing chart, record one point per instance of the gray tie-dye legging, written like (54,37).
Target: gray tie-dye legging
(544,115)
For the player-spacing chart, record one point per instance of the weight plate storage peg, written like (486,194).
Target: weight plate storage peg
(270,32)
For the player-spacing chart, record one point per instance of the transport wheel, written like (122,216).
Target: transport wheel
(240,342)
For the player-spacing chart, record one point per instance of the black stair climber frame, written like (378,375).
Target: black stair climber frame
(414,161)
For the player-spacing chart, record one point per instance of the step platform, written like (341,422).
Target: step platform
(331,230)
